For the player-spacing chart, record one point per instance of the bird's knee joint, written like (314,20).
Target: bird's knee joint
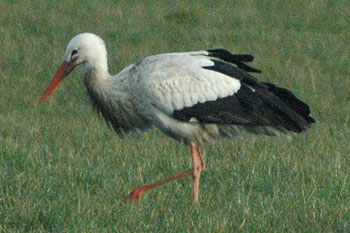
(196,170)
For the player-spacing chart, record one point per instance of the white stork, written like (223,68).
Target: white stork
(194,97)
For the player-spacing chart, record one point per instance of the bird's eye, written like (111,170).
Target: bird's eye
(74,52)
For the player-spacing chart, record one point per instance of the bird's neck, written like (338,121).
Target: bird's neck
(97,69)
(96,76)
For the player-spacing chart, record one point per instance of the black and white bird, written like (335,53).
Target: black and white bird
(194,97)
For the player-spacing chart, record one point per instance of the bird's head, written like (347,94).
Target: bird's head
(85,48)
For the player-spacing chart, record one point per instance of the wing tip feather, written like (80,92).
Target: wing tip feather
(238,59)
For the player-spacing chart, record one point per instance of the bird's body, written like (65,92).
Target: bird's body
(150,92)
(194,97)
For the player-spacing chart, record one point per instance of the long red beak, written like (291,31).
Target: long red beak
(64,69)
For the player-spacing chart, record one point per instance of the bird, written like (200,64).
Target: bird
(194,97)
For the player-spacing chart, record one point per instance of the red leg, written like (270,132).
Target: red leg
(198,166)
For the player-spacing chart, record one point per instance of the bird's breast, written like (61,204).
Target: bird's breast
(113,100)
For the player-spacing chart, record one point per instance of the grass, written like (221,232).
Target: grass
(63,170)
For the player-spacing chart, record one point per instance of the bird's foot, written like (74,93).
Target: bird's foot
(135,194)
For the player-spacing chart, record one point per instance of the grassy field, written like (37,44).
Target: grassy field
(63,170)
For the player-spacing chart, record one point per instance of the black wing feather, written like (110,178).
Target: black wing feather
(237,59)
(255,104)
(291,100)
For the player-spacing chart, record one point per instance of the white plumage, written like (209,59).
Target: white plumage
(192,96)
(171,88)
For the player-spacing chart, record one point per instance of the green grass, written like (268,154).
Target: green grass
(63,170)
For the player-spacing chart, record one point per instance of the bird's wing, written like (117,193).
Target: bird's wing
(215,87)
